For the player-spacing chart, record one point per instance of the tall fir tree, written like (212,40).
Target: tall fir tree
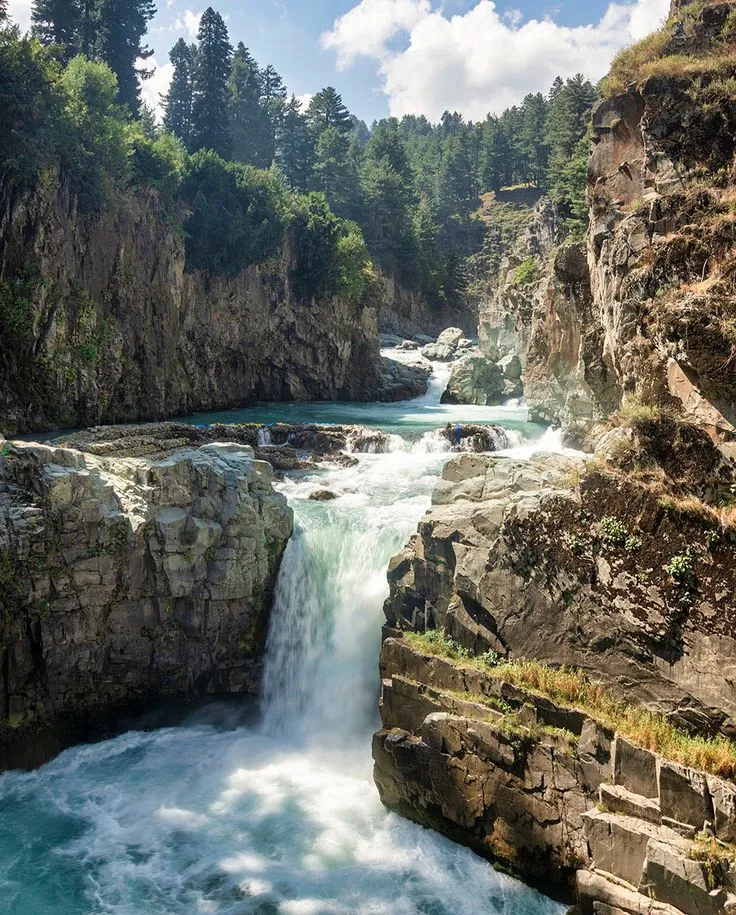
(248,123)
(567,121)
(210,127)
(58,22)
(178,101)
(326,109)
(332,173)
(294,146)
(121,27)
(273,101)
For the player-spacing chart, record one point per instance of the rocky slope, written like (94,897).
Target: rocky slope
(107,326)
(550,791)
(127,579)
(652,312)
(628,581)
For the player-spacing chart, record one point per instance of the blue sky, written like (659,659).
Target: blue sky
(418,56)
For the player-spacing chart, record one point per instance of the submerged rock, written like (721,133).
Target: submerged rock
(123,580)
(322,495)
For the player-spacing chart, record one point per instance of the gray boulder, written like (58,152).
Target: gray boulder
(475,380)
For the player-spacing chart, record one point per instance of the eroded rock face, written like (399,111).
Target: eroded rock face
(517,557)
(117,331)
(545,788)
(124,580)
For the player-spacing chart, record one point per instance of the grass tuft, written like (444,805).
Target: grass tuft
(571,687)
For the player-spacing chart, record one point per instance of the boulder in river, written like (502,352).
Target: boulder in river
(476,380)
(322,495)
(445,348)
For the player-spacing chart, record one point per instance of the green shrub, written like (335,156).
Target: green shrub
(159,162)
(237,215)
(97,155)
(613,531)
(526,272)
(681,567)
(354,264)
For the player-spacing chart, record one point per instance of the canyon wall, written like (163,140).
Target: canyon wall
(106,325)
(652,315)
(128,580)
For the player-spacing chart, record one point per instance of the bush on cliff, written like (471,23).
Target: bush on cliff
(237,215)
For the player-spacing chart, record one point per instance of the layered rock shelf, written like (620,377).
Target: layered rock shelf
(549,791)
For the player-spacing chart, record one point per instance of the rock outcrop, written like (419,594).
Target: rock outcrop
(408,312)
(547,560)
(108,327)
(548,790)
(652,312)
(127,579)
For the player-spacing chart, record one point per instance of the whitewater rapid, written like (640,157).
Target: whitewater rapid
(278,815)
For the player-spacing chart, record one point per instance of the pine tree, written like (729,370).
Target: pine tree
(178,100)
(293,146)
(533,147)
(210,128)
(122,24)
(456,187)
(273,101)
(567,121)
(327,110)
(248,123)
(494,154)
(58,22)
(332,174)
(147,120)
(3,10)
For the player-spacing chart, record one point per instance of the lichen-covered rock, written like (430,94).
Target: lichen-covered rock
(124,580)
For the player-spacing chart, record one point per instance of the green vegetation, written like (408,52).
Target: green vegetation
(245,161)
(613,531)
(571,687)
(681,567)
(526,272)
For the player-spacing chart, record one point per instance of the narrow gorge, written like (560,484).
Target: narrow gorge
(367,543)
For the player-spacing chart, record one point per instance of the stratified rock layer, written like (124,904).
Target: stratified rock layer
(546,789)
(125,580)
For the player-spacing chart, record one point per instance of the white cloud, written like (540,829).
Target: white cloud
(157,84)
(20,12)
(305,99)
(188,22)
(478,61)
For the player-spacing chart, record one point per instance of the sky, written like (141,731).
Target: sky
(411,56)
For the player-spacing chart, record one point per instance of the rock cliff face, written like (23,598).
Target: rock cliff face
(653,313)
(625,576)
(109,327)
(548,790)
(125,580)
(406,313)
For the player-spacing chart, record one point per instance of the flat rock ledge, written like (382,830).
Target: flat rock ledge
(125,580)
(547,790)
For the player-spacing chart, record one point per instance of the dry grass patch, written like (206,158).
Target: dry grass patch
(573,688)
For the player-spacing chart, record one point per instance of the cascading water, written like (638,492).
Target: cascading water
(281,817)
